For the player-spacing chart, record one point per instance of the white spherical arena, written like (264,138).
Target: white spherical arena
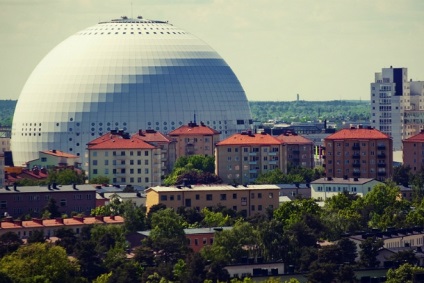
(125,74)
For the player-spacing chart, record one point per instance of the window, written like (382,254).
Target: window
(146,179)
(223,197)
(95,162)
(146,162)
(271,195)
(163,198)
(259,195)
(138,153)
(234,196)
(106,162)
(131,171)
(252,195)
(139,171)
(197,197)
(253,208)
(138,162)
(146,153)
(260,207)
(146,170)
(243,201)
(131,161)
(122,153)
(63,202)
(229,149)
(94,153)
(208,197)
(3,204)
(95,171)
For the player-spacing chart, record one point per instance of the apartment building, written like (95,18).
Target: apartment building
(2,172)
(166,145)
(358,153)
(413,152)
(125,159)
(249,199)
(195,139)
(297,151)
(31,200)
(240,158)
(397,104)
(53,159)
(328,187)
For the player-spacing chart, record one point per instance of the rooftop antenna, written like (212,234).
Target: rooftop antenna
(194,120)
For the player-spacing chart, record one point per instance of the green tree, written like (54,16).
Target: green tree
(40,263)
(37,236)
(52,209)
(9,242)
(401,175)
(369,249)
(100,180)
(404,273)
(214,219)
(294,211)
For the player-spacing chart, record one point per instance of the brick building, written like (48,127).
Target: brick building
(358,153)
(297,151)
(413,152)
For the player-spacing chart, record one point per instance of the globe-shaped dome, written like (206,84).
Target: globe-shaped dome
(125,74)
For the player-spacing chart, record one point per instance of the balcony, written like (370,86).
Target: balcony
(381,147)
(356,147)
(381,173)
(381,165)
(272,162)
(253,153)
(356,165)
(295,151)
(356,174)
(272,153)
(381,155)
(253,171)
(253,162)
(356,156)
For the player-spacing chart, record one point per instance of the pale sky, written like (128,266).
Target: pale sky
(321,50)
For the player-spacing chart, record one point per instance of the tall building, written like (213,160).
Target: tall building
(125,160)
(413,152)
(397,104)
(125,74)
(358,153)
(195,139)
(242,157)
(297,151)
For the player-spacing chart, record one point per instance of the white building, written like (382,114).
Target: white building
(324,188)
(125,74)
(397,104)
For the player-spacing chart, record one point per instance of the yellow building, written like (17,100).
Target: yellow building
(125,160)
(194,139)
(249,199)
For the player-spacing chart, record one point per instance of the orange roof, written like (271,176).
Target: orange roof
(357,134)
(250,139)
(416,138)
(109,141)
(151,136)
(193,129)
(293,139)
(59,153)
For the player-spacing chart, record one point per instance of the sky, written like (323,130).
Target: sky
(321,50)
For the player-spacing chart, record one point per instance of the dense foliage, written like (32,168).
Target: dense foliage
(7,108)
(303,111)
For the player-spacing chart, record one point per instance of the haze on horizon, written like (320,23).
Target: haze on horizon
(321,50)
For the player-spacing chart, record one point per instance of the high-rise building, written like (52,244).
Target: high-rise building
(358,153)
(397,104)
(125,74)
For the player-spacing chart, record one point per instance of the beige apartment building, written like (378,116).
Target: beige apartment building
(240,158)
(194,139)
(413,152)
(54,159)
(297,151)
(249,199)
(358,153)
(125,160)
(166,145)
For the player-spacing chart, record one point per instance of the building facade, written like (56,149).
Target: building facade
(125,160)
(240,158)
(194,139)
(397,104)
(54,159)
(325,188)
(249,199)
(31,200)
(165,143)
(2,172)
(297,151)
(413,152)
(358,153)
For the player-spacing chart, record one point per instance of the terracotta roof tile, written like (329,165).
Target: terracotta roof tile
(109,141)
(152,136)
(294,139)
(59,153)
(193,129)
(250,139)
(357,134)
(416,138)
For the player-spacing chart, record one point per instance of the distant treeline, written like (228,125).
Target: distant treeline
(284,111)
(303,111)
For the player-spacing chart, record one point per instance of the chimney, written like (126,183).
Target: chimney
(54,186)
(74,186)
(99,217)
(112,217)
(59,220)
(15,186)
(49,187)
(54,150)
(17,222)
(78,218)
(140,132)
(8,219)
(38,221)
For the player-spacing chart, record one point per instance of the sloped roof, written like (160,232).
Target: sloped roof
(151,136)
(110,141)
(294,139)
(357,134)
(250,139)
(417,138)
(193,129)
(59,153)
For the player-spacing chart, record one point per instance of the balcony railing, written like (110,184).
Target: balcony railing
(356,165)
(381,165)
(381,155)
(356,147)
(381,147)
(381,173)
(356,174)
(356,156)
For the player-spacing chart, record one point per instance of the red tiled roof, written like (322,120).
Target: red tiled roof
(109,141)
(59,153)
(152,136)
(416,138)
(250,139)
(293,139)
(357,134)
(193,129)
